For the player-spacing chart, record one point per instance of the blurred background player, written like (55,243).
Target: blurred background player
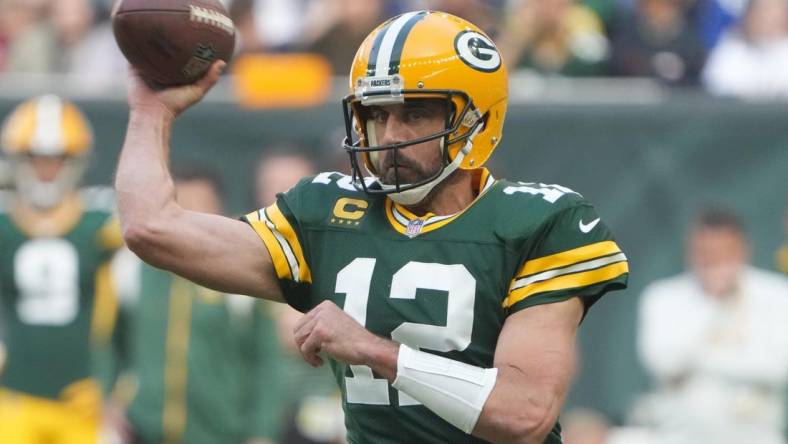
(203,361)
(715,339)
(311,405)
(58,304)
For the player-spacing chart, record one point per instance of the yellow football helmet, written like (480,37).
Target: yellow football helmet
(46,127)
(427,54)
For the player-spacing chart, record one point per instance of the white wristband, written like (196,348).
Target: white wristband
(453,390)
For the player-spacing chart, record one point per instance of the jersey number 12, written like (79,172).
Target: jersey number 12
(354,281)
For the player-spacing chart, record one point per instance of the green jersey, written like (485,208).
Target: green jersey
(202,363)
(55,288)
(442,284)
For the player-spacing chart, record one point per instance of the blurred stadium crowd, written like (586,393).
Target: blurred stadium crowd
(727,47)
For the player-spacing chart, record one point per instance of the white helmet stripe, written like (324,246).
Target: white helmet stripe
(48,135)
(387,44)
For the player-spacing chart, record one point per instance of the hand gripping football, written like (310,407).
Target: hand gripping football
(173,42)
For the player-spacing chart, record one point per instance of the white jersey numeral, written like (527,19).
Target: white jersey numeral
(354,281)
(550,193)
(343,181)
(46,272)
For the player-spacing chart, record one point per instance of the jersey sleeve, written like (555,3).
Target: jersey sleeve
(101,202)
(572,254)
(110,236)
(279,228)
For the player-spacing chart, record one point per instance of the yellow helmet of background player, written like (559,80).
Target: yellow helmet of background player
(427,54)
(49,127)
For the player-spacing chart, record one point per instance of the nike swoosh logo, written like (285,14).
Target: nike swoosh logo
(585,228)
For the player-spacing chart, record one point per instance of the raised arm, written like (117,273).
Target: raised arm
(214,251)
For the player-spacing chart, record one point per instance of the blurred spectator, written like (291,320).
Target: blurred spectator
(715,339)
(347,23)
(605,9)
(554,37)
(89,56)
(752,60)
(57,299)
(485,14)
(312,401)
(587,426)
(242,14)
(656,40)
(713,17)
(584,426)
(204,361)
(71,21)
(24,39)
(280,168)
(278,24)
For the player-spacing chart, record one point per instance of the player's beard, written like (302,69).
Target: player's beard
(407,170)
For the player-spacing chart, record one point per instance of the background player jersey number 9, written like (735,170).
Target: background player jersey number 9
(354,281)
(47,278)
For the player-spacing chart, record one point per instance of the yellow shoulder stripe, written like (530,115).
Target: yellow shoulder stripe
(284,227)
(110,235)
(568,257)
(105,306)
(568,281)
(282,243)
(274,249)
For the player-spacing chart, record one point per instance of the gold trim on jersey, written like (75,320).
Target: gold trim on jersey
(569,257)
(400,217)
(55,222)
(176,368)
(105,306)
(579,267)
(282,243)
(110,235)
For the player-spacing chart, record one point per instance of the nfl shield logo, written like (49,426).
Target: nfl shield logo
(414,227)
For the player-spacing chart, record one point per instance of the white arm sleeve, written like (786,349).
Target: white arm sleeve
(453,390)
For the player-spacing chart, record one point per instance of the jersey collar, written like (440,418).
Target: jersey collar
(411,225)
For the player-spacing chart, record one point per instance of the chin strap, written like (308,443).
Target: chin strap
(416,195)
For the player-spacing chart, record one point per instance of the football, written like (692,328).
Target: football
(173,42)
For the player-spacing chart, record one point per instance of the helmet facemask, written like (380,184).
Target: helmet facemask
(455,140)
(46,194)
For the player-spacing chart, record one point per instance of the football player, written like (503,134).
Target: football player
(446,301)
(57,298)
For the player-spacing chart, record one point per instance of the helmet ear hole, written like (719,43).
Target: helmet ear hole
(484,119)
(451,113)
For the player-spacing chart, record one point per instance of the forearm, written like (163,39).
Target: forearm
(516,411)
(521,409)
(535,355)
(143,183)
